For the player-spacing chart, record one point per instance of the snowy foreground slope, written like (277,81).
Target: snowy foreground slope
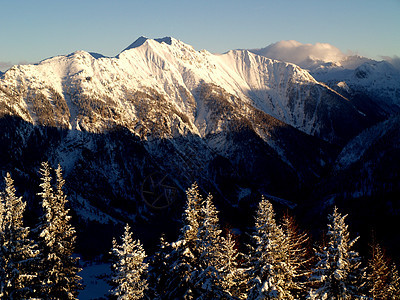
(239,123)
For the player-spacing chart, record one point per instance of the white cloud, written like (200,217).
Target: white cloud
(298,53)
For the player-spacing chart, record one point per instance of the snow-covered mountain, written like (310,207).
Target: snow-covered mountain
(348,74)
(239,123)
(378,80)
(174,70)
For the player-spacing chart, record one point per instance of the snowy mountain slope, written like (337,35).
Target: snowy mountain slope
(378,80)
(232,122)
(105,172)
(170,68)
(160,106)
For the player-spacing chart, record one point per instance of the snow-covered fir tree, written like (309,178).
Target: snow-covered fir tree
(57,241)
(184,255)
(18,273)
(299,257)
(200,264)
(338,273)
(269,270)
(129,268)
(207,281)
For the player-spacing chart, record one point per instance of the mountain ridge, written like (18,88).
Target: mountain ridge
(378,80)
(174,68)
(232,122)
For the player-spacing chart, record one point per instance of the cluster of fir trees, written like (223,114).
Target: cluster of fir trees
(202,264)
(205,264)
(38,264)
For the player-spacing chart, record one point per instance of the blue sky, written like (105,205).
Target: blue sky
(34,30)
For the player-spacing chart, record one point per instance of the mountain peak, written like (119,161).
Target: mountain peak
(141,40)
(168,40)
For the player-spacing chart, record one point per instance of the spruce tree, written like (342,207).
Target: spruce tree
(18,274)
(268,267)
(59,266)
(129,268)
(338,274)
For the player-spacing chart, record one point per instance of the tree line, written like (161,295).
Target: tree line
(203,263)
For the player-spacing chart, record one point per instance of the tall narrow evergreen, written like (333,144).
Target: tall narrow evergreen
(129,268)
(338,274)
(18,272)
(59,267)
(268,267)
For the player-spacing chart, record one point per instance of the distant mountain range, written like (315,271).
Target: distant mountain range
(240,123)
